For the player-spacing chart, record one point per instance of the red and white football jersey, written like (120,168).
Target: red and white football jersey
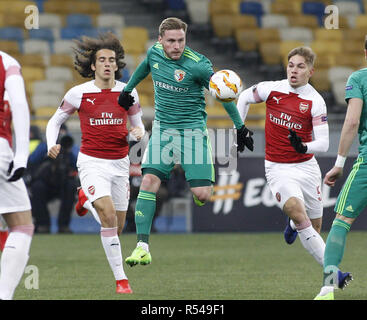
(8,66)
(102,119)
(287,108)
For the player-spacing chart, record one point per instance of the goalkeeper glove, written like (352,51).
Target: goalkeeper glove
(126,100)
(296,142)
(244,139)
(17,174)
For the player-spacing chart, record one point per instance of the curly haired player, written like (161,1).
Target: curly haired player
(103,161)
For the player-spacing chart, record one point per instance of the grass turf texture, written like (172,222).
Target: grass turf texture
(220,266)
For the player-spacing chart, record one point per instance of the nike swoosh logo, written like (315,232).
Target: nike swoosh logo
(309,237)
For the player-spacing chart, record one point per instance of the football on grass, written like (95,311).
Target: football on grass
(225,85)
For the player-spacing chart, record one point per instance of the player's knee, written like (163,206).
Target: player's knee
(150,183)
(345,219)
(292,205)
(294,208)
(108,220)
(106,214)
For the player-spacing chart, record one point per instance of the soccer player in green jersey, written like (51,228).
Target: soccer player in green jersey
(179,129)
(352,198)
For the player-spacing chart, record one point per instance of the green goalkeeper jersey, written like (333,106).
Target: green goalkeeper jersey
(178,87)
(357,88)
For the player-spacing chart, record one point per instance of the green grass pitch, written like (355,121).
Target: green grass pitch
(219,266)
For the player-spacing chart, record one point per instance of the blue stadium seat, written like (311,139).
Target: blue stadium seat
(252,8)
(43,34)
(72,33)
(39,4)
(314,8)
(125,75)
(11,33)
(79,21)
(176,4)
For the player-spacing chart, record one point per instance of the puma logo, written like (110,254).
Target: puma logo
(277,99)
(90,100)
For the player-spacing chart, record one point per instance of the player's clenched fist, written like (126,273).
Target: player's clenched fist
(332,175)
(54,151)
(126,100)
(296,142)
(244,138)
(137,132)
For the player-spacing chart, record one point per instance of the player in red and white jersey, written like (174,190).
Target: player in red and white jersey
(103,162)
(15,206)
(294,112)
(4,231)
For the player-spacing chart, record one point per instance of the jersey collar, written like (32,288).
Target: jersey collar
(299,90)
(99,89)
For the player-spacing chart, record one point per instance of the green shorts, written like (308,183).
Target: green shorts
(188,147)
(352,198)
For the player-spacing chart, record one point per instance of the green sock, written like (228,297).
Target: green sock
(144,213)
(334,251)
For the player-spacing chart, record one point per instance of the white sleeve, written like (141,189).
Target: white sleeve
(14,85)
(54,124)
(320,128)
(135,114)
(135,121)
(243,103)
(321,139)
(255,94)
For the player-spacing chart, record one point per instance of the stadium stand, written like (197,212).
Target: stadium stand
(9,46)
(110,21)
(50,20)
(198,11)
(12,33)
(79,21)
(31,46)
(258,34)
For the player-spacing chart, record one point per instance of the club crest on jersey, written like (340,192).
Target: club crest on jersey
(303,107)
(179,75)
(91,190)
(279,198)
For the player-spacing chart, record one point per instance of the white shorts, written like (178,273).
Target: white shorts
(300,180)
(104,177)
(13,195)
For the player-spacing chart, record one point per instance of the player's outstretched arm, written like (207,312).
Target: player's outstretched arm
(244,135)
(349,131)
(14,85)
(244,138)
(52,131)
(126,100)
